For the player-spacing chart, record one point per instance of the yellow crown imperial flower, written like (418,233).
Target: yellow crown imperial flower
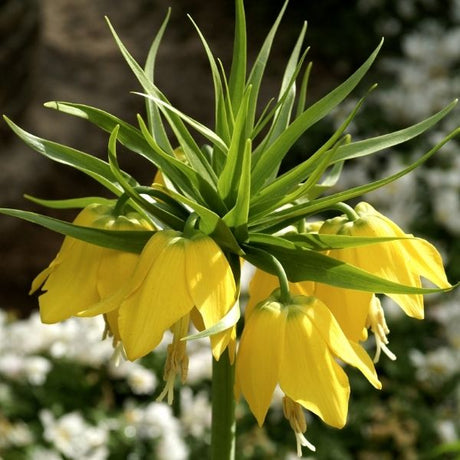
(403,261)
(174,274)
(82,274)
(349,307)
(295,345)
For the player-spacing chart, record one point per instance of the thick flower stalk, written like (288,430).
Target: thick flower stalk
(168,255)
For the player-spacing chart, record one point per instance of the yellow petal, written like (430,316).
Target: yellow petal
(259,357)
(161,300)
(328,327)
(425,260)
(71,287)
(222,340)
(349,307)
(115,269)
(387,260)
(210,280)
(261,286)
(309,373)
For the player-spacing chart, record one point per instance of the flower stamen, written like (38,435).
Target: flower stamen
(378,325)
(294,413)
(176,359)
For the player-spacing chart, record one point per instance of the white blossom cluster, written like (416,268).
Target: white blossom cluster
(28,351)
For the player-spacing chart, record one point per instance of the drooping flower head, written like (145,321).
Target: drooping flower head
(404,261)
(174,275)
(82,274)
(295,346)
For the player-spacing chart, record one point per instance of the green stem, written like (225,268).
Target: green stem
(120,205)
(285,294)
(190,224)
(223,409)
(347,210)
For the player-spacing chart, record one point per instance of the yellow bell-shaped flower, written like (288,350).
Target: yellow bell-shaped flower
(295,346)
(174,274)
(349,307)
(403,261)
(82,274)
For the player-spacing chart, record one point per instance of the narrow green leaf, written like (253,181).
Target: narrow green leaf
(90,165)
(258,69)
(225,122)
(322,242)
(271,158)
(184,177)
(154,120)
(159,193)
(237,77)
(303,90)
(317,242)
(229,179)
(278,112)
(303,264)
(160,211)
(302,190)
(237,217)
(375,144)
(193,153)
(71,203)
(274,193)
(129,241)
(329,181)
(128,135)
(220,110)
(202,129)
(287,92)
(283,218)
